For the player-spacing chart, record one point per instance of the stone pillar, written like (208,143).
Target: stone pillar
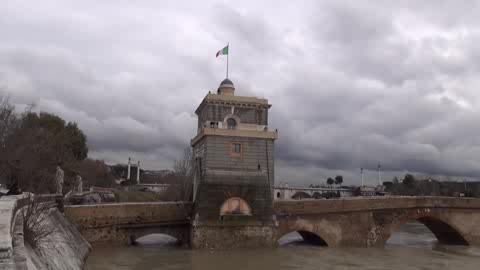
(138,172)
(128,169)
(59,175)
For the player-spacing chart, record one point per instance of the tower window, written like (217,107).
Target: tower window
(231,123)
(236,150)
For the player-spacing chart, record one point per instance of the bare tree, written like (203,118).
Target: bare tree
(184,171)
(37,230)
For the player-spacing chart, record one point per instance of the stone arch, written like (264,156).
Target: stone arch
(278,195)
(444,231)
(235,206)
(180,233)
(309,227)
(231,116)
(308,237)
(301,195)
(317,195)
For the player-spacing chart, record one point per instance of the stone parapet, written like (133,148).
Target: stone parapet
(115,214)
(305,207)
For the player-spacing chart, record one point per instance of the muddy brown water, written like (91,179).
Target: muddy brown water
(412,247)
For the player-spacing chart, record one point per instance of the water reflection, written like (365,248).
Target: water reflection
(413,234)
(158,240)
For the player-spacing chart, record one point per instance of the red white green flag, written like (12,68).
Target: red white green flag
(223,51)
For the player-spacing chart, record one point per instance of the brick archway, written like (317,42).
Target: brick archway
(235,206)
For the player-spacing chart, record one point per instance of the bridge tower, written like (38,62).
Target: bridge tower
(234,163)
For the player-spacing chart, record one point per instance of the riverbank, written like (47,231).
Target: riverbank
(64,248)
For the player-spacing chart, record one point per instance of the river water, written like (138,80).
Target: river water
(412,247)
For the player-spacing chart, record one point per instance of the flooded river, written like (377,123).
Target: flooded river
(412,247)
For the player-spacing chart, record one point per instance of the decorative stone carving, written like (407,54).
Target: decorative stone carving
(78,184)
(59,175)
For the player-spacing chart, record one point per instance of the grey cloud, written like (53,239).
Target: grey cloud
(352,84)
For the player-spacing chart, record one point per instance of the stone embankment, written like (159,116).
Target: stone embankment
(64,249)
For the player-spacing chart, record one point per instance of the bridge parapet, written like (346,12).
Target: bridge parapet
(101,215)
(126,222)
(305,207)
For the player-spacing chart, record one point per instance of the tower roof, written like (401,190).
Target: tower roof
(227,83)
(226,88)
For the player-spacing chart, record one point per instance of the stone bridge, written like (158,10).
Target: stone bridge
(366,222)
(296,193)
(126,222)
(357,222)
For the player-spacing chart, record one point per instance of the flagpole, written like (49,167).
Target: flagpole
(228,52)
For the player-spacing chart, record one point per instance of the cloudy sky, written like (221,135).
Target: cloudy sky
(352,83)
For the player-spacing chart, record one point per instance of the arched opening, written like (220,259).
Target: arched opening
(278,195)
(425,232)
(301,195)
(301,238)
(155,239)
(235,206)
(317,195)
(231,123)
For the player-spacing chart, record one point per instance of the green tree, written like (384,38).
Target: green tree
(388,185)
(76,141)
(32,145)
(409,180)
(338,180)
(330,181)
(68,135)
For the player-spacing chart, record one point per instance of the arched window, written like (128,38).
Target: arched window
(231,123)
(235,206)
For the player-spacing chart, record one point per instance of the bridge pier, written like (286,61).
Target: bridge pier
(233,237)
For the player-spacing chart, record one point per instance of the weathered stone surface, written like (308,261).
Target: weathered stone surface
(233,237)
(365,222)
(124,222)
(65,249)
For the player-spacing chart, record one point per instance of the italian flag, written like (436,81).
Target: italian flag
(223,51)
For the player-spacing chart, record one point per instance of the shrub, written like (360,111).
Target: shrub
(37,230)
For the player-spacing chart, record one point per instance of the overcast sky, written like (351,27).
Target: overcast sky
(352,83)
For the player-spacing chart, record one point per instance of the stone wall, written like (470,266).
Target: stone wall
(64,249)
(125,222)
(221,237)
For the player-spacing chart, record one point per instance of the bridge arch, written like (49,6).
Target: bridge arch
(235,206)
(307,236)
(167,238)
(180,233)
(311,230)
(445,232)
